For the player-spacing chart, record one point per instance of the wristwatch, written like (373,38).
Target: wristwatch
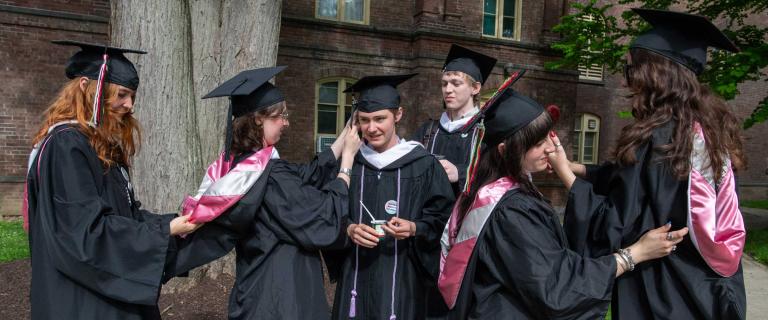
(346,171)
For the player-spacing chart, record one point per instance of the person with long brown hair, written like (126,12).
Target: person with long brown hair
(275,214)
(674,163)
(504,253)
(95,253)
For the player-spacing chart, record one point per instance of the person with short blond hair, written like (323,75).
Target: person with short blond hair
(450,138)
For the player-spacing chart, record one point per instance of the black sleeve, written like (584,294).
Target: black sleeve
(115,256)
(437,207)
(523,251)
(311,218)
(322,169)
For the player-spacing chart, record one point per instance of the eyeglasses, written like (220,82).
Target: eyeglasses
(283,116)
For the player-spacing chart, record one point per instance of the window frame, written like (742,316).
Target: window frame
(578,152)
(343,82)
(500,21)
(340,13)
(593,72)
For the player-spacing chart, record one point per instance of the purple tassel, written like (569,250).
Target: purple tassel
(352,309)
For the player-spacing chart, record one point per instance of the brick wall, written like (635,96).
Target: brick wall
(34,71)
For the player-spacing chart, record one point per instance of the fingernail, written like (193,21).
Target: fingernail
(552,134)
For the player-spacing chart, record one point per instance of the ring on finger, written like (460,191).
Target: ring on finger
(557,145)
(669,236)
(674,247)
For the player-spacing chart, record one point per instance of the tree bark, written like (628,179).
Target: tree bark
(193,46)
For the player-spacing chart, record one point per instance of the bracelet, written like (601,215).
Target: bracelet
(626,254)
(346,171)
(620,262)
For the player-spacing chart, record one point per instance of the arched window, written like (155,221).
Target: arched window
(586,135)
(333,108)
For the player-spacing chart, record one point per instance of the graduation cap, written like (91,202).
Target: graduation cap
(88,62)
(503,114)
(681,37)
(378,92)
(510,113)
(248,91)
(103,64)
(475,64)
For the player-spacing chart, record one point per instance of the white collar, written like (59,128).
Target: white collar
(381,160)
(452,126)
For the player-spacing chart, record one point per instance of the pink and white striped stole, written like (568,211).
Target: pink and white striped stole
(459,237)
(222,188)
(715,224)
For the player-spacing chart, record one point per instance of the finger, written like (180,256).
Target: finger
(679,234)
(368,236)
(363,242)
(388,230)
(663,229)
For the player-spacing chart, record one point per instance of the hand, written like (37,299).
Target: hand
(181,225)
(558,162)
(657,243)
(400,228)
(450,170)
(338,144)
(363,235)
(352,140)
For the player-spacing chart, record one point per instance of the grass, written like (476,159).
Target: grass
(13,241)
(757,245)
(760,204)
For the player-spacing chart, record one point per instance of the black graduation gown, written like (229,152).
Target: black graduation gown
(623,204)
(455,146)
(276,229)
(426,198)
(95,254)
(521,268)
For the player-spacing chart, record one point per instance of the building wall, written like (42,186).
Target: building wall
(33,69)
(411,36)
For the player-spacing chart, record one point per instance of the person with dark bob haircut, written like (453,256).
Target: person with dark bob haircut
(504,253)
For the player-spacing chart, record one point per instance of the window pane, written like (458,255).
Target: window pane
(577,124)
(508,28)
(329,93)
(327,8)
(489,25)
(490,7)
(589,147)
(326,119)
(353,10)
(509,8)
(575,146)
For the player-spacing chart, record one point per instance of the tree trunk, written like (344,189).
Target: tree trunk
(193,46)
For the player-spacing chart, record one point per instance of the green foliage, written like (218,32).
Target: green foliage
(605,39)
(757,245)
(13,241)
(760,204)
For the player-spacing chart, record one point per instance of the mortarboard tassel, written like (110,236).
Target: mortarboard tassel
(352,303)
(479,132)
(228,142)
(97,98)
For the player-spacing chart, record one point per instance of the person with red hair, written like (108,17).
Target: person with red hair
(95,253)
